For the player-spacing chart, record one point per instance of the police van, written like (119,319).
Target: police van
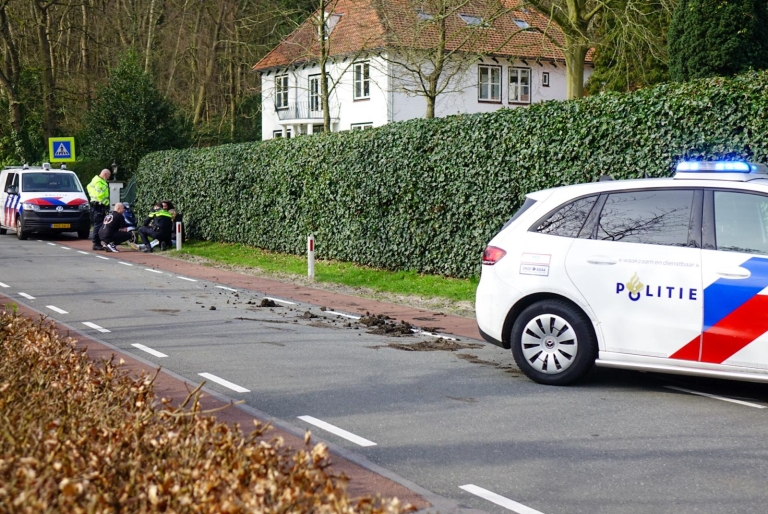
(41,199)
(663,275)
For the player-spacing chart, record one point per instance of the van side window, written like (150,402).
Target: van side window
(9,181)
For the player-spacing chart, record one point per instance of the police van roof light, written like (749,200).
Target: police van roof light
(724,166)
(46,165)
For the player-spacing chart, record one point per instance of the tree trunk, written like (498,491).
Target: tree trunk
(85,64)
(49,90)
(575,52)
(210,67)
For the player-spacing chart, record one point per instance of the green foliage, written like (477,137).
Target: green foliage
(427,195)
(710,38)
(130,118)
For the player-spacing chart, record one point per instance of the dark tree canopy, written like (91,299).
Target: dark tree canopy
(717,38)
(131,118)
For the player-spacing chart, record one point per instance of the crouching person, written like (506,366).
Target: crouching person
(114,230)
(158,225)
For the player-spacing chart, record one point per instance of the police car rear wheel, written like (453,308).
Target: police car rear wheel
(19,229)
(553,343)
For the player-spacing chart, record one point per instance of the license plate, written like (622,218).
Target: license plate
(60,225)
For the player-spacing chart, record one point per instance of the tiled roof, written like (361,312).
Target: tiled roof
(367,25)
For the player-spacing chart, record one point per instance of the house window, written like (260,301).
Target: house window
(520,85)
(522,23)
(473,21)
(361,126)
(489,85)
(362,80)
(279,133)
(315,103)
(545,79)
(281,92)
(331,20)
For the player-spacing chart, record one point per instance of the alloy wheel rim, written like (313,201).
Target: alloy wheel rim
(549,344)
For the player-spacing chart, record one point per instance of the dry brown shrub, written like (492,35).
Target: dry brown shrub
(78,436)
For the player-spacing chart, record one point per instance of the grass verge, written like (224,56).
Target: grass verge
(344,273)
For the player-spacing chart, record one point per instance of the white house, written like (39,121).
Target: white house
(496,59)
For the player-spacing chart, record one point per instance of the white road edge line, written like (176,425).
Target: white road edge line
(52,244)
(149,350)
(225,383)
(103,258)
(84,253)
(125,263)
(27,296)
(66,248)
(349,436)
(96,327)
(279,301)
(227,288)
(499,500)
(431,334)
(714,397)
(188,279)
(152,270)
(4,285)
(56,309)
(342,314)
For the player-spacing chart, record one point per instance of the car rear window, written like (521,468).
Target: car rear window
(567,220)
(526,205)
(647,217)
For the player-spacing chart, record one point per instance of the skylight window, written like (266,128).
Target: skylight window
(522,24)
(473,21)
(424,16)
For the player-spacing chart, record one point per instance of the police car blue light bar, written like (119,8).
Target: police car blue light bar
(708,166)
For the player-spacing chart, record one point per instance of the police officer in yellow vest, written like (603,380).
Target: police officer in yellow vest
(158,225)
(98,191)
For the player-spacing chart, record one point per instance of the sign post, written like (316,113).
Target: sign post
(61,149)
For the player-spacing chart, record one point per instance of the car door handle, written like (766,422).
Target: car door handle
(735,273)
(601,260)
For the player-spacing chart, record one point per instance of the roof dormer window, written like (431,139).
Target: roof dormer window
(331,20)
(424,16)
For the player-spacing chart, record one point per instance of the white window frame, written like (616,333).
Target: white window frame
(282,85)
(519,92)
(489,82)
(361,126)
(277,134)
(361,80)
(545,79)
(315,94)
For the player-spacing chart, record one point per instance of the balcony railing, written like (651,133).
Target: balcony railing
(302,111)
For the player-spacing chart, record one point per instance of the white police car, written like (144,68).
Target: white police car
(664,275)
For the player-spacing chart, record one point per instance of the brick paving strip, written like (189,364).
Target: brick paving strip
(366,478)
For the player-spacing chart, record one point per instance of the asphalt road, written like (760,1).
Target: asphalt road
(622,442)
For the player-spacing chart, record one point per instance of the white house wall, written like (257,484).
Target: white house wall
(388,102)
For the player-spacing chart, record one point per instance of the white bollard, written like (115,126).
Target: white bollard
(178,235)
(311,256)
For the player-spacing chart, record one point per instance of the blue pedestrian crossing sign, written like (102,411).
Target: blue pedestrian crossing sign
(61,149)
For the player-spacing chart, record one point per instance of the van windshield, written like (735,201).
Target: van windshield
(49,182)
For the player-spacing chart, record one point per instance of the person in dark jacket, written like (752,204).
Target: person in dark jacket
(158,225)
(114,229)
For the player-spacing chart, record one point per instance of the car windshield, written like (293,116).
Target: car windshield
(50,182)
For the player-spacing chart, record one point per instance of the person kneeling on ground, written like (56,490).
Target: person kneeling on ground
(158,225)
(114,230)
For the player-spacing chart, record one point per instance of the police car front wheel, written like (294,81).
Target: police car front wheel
(20,229)
(553,342)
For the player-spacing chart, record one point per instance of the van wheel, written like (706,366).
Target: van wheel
(19,232)
(553,343)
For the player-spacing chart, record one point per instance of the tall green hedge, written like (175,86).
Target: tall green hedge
(428,194)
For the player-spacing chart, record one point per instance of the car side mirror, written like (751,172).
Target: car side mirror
(12,190)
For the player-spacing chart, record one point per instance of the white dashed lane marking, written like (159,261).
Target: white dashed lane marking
(227,288)
(56,309)
(104,258)
(188,279)
(279,301)
(149,350)
(225,383)
(96,327)
(152,270)
(4,285)
(715,397)
(349,436)
(499,500)
(125,263)
(342,314)
(27,296)
(84,253)
(52,244)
